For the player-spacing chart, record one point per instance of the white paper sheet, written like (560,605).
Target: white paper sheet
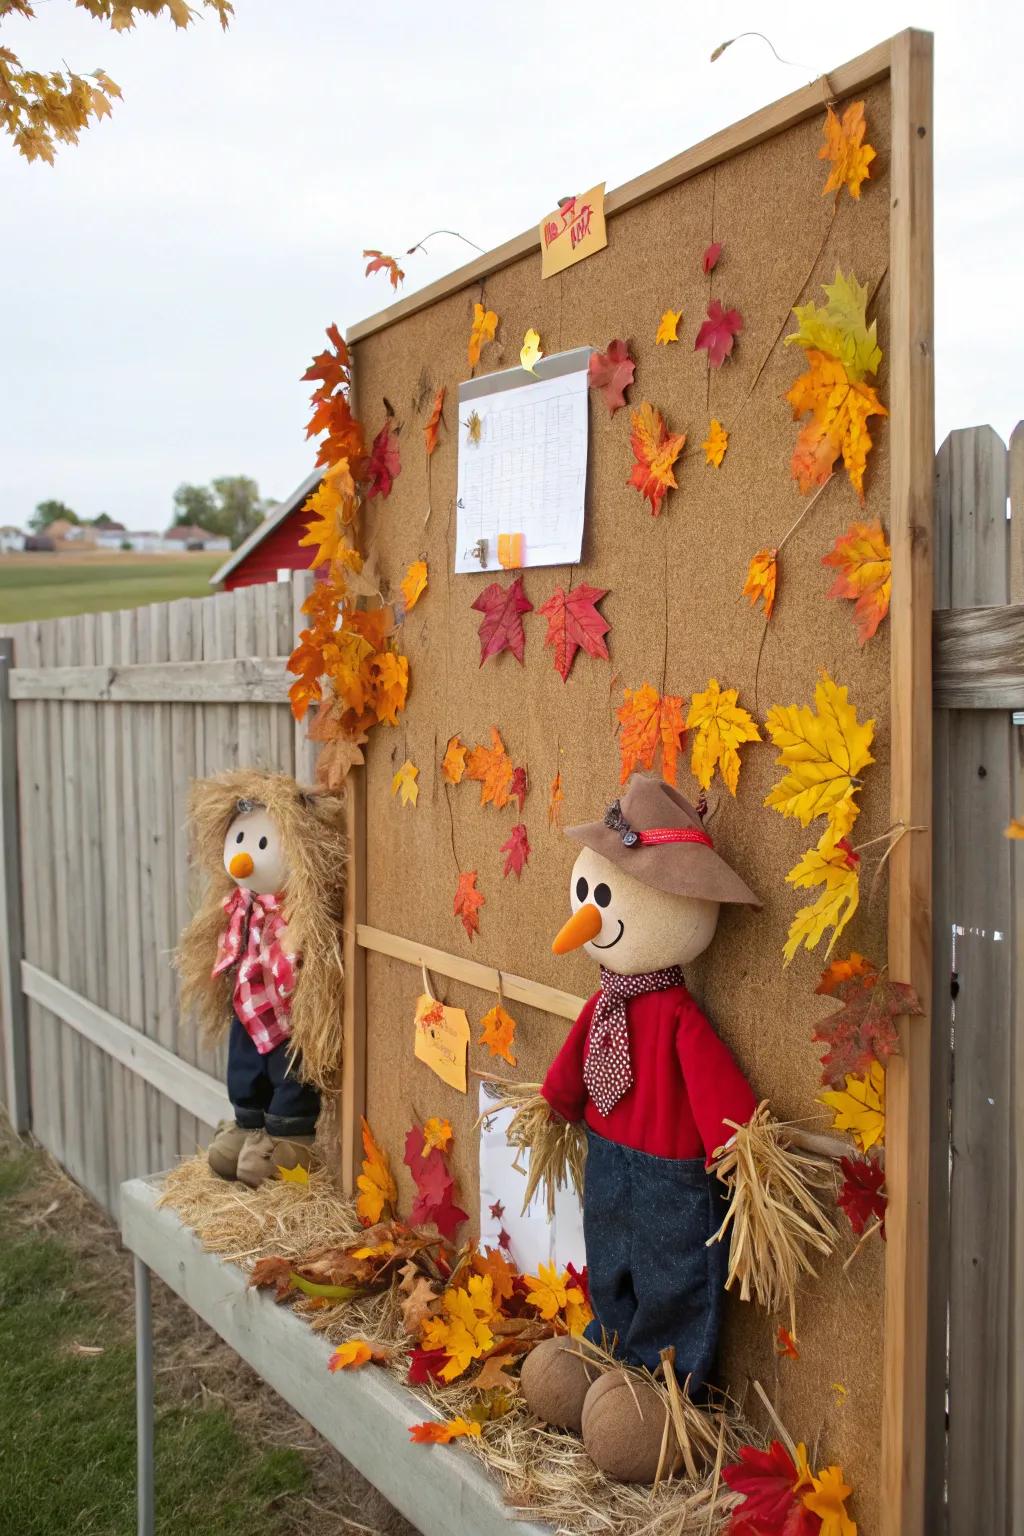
(534,1239)
(528,472)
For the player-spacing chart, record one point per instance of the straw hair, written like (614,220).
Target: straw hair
(312,833)
(557,1147)
(775,1212)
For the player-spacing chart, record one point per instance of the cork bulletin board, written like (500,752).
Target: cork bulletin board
(677,620)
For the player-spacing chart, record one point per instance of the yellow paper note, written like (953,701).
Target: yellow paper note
(442,1040)
(574,231)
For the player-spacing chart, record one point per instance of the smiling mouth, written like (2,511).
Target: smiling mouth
(616,939)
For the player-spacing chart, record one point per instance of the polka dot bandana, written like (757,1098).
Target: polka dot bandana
(608,1071)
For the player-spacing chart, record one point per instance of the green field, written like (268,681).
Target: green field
(43,586)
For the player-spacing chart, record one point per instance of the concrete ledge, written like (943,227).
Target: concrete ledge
(364,1414)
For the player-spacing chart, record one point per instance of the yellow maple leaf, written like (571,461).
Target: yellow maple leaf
(823,751)
(346,662)
(762,575)
(375,1184)
(298,1175)
(839,408)
(667,327)
(485,325)
(436,1133)
(828,1501)
(531,353)
(404,783)
(1015,829)
(863,560)
(722,726)
(547,1290)
(577,1313)
(840,328)
(462,1331)
(453,764)
(834,865)
(715,444)
(844,146)
(498,1032)
(391,685)
(350,1355)
(860,1107)
(414,583)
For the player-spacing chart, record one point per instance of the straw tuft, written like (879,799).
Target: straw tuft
(557,1148)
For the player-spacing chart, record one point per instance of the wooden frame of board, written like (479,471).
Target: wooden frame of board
(906,62)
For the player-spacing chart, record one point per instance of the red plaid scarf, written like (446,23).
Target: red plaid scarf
(266,975)
(608,1071)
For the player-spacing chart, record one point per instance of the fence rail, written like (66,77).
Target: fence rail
(105,718)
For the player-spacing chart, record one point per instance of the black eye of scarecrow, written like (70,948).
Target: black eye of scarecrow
(240,838)
(602,895)
(263,842)
(581,889)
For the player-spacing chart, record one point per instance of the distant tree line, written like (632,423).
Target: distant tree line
(230,505)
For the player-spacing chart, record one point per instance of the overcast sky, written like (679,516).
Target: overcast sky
(165,283)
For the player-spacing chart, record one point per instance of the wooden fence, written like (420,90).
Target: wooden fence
(105,718)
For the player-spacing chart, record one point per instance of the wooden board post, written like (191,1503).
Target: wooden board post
(12,1003)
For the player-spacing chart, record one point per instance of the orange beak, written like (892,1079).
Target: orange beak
(582,926)
(240,867)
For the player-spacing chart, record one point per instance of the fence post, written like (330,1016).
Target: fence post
(12,1003)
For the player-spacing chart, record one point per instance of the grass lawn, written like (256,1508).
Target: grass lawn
(40,586)
(231,1458)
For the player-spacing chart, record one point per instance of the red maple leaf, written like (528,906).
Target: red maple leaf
(771,1506)
(710,258)
(862,1196)
(468,901)
(580,1278)
(517,788)
(573,621)
(518,850)
(864,1029)
(718,332)
(381,263)
(612,372)
(497,1210)
(383,465)
(501,628)
(434,1186)
(425,1365)
(504,1241)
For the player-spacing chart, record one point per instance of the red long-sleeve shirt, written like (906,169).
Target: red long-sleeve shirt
(686,1083)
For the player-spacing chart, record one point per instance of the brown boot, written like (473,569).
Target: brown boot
(224,1149)
(264,1154)
(295,1152)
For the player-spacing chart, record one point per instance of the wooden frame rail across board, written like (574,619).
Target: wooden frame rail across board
(905,64)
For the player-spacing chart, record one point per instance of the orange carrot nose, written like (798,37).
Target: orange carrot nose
(583,925)
(241,866)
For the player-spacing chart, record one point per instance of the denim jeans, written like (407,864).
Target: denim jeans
(263,1092)
(653,1282)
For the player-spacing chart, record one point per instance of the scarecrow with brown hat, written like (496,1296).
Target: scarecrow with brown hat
(658,1093)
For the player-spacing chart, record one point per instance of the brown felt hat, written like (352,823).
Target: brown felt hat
(641,833)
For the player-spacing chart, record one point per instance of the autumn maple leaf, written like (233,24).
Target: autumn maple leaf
(864,1029)
(491,768)
(436,1133)
(611,373)
(823,751)
(718,332)
(530,354)
(649,721)
(839,327)
(715,444)
(380,263)
(762,575)
(833,865)
(433,426)
(769,1483)
(844,146)
(484,329)
(863,560)
(862,1195)
(434,1183)
(353,1354)
(384,465)
(413,584)
(498,1031)
(331,367)
(556,796)
(501,628)
(404,783)
(517,849)
(710,258)
(655,450)
(667,327)
(435,1432)
(376,1186)
(859,1107)
(518,787)
(468,901)
(722,726)
(573,621)
(453,765)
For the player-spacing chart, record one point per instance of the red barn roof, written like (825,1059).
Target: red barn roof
(273,546)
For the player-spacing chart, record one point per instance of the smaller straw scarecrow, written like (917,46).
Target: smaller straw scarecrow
(261,960)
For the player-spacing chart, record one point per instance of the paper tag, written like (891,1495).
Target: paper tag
(442,1040)
(574,231)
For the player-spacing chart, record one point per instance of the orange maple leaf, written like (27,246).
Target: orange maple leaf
(839,408)
(381,263)
(436,1133)
(485,325)
(414,583)
(762,575)
(555,798)
(468,901)
(785,1344)
(375,1184)
(453,764)
(433,426)
(354,1353)
(435,1432)
(844,146)
(499,1031)
(655,451)
(863,560)
(844,970)
(650,720)
(491,768)
(502,1272)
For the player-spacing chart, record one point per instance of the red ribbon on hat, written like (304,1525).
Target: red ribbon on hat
(655,835)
